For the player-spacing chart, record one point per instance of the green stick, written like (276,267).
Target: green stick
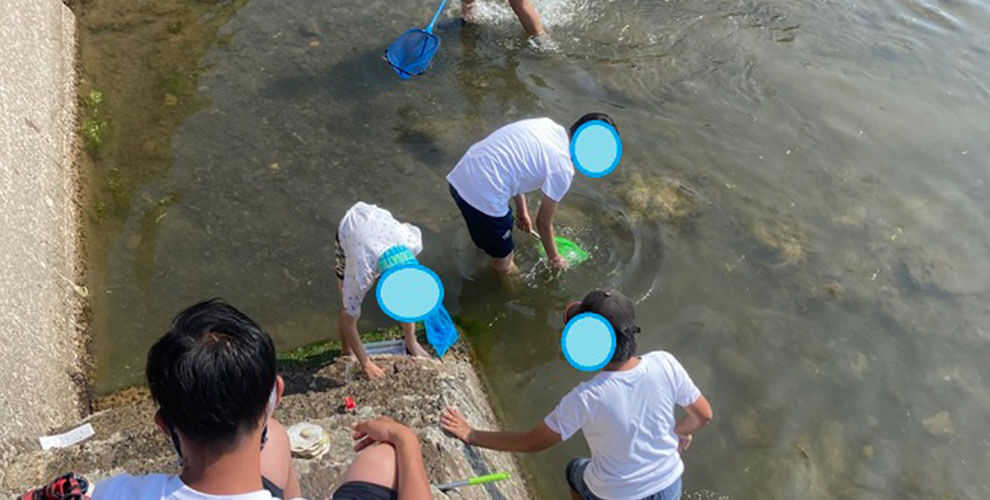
(473,481)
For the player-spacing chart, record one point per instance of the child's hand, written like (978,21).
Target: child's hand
(683,443)
(372,370)
(453,422)
(558,263)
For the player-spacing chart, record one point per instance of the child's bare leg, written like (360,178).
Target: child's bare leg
(528,16)
(412,345)
(345,348)
(504,265)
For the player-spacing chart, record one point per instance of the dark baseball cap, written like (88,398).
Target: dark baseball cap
(618,309)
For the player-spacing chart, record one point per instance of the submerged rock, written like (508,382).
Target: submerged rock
(781,238)
(654,198)
(858,365)
(745,426)
(736,364)
(939,424)
(935,273)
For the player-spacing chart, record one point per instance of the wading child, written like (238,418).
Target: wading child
(213,378)
(365,233)
(524,10)
(516,159)
(626,412)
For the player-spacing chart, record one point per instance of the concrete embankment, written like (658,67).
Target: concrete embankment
(41,352)
(414,393)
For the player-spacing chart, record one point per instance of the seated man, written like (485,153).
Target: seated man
(213,378)
(626,412)
(516,159)
(364,235)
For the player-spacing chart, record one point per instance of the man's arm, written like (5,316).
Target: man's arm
(544,226)
(412,481)
(536,439)
(698,414)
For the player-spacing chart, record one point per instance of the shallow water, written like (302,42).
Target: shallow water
(800,212)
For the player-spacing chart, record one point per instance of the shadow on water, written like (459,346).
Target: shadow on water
(360,74)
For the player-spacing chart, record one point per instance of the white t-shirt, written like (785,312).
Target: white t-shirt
(628,420)
(365,233)
(160,487)
(518,158)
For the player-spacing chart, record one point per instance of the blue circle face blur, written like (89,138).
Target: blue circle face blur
(588,342)
(409,293)
(596,149)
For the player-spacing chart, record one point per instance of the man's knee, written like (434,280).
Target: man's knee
(375,464)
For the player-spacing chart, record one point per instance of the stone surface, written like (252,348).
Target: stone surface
(939,424)
(782,238)
(40,302)
(654,198)
(414,393)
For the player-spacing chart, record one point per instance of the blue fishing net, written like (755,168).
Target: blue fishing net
(411,53)
(440,330)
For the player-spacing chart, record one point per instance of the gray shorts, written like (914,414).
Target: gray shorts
(575,478)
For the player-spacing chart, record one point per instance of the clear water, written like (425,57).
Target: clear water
(825,280)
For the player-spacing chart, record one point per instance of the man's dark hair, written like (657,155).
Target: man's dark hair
(591,117)
(212,373)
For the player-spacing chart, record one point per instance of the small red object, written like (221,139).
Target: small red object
(349,403)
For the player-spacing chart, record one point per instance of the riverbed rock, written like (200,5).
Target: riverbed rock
(737,365)
(655,198)
(932,272)
(415,392)
(745,426)
(858,365)
(939,424)
(782,238)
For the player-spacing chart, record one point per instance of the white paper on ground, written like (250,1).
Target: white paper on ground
(396,346)
(68,438)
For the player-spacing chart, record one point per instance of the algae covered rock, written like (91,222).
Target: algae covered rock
(782,238)
(655,198)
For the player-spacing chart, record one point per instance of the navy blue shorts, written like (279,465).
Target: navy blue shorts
(360,490)
(491,234)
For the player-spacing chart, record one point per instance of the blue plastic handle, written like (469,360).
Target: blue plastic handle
(429,27)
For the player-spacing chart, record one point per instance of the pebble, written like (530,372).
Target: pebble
(858,365)
(939,424)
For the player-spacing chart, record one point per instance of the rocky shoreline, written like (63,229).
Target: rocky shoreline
(415,391)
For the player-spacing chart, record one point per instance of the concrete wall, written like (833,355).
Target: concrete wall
(39,334)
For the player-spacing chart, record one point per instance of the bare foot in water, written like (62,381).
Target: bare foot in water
(415,350)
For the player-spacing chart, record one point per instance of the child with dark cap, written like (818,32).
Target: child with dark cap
(626,412)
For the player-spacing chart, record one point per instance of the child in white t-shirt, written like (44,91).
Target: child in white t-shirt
(626,412)
(365,233)
(519,158)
